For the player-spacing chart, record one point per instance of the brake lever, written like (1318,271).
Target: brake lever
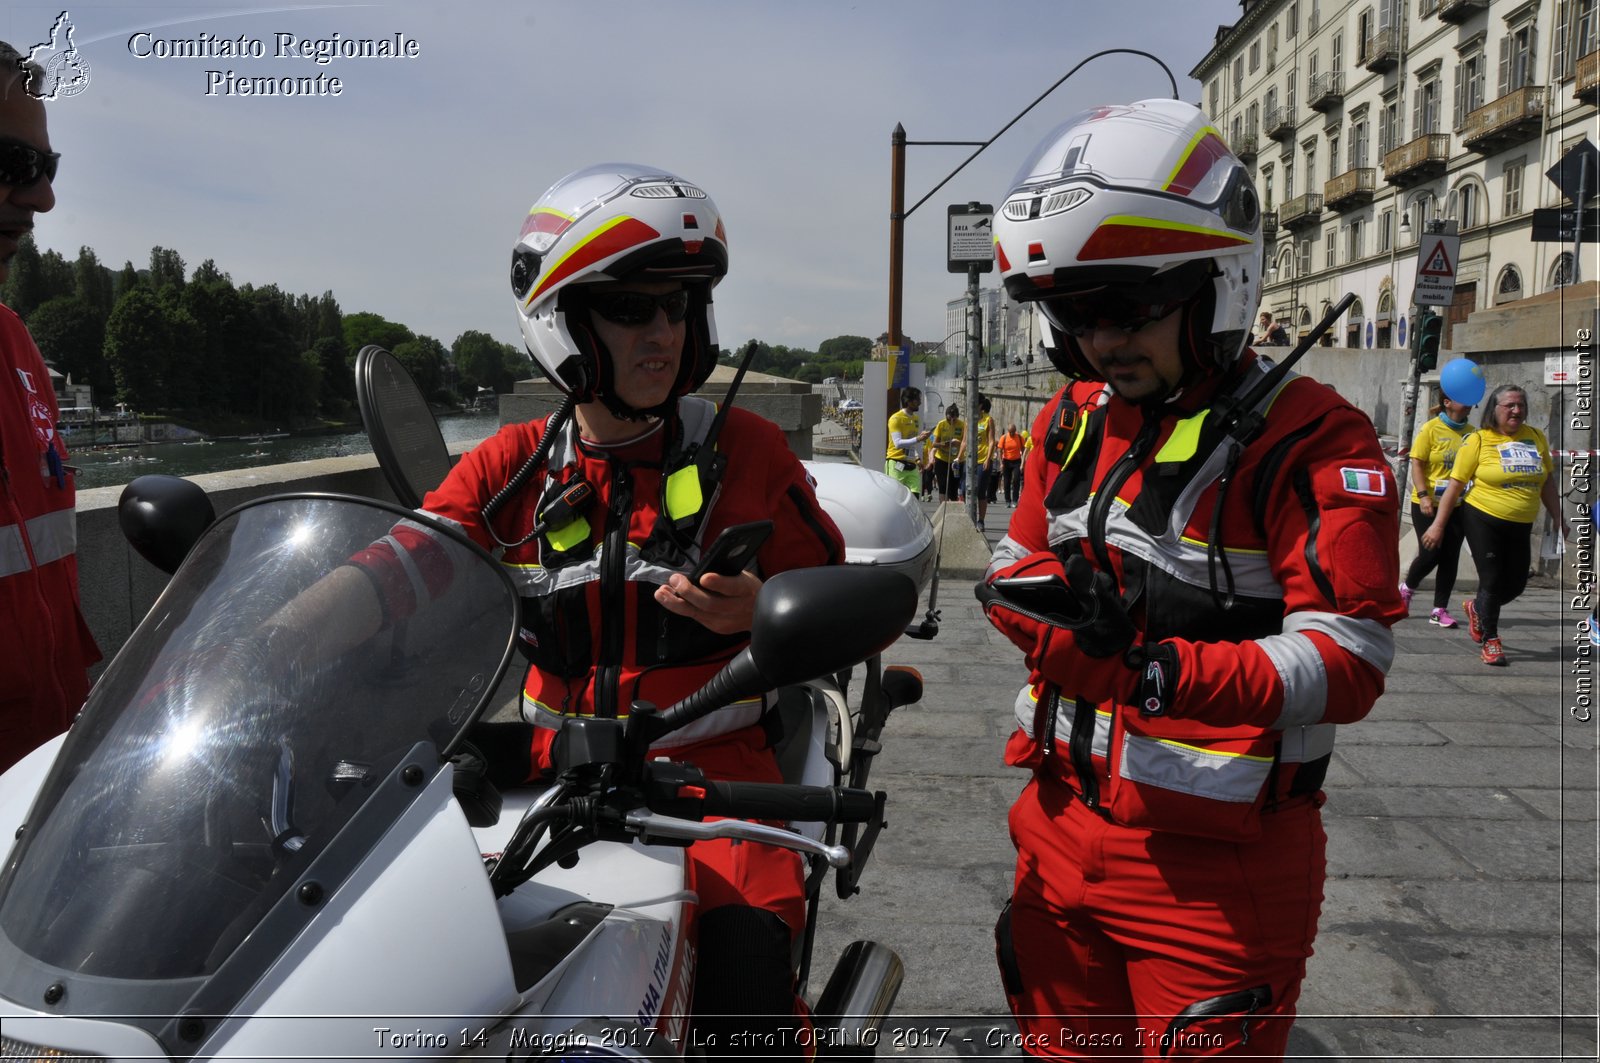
(650,826)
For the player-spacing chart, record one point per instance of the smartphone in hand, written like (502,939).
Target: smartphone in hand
(733,550)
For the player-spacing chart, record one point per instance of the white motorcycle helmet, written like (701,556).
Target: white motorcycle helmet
(612,222)
(1123,213)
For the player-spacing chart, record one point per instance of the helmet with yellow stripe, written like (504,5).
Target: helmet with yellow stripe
(615,222)
(1125,211)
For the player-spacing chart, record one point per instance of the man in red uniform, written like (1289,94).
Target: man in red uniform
(1201,574)
(43,678)
(600,511)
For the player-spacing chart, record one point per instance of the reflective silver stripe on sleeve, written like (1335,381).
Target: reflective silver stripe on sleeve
(1300,666)
(1367,639)
(419,586)
(52,535)
(1007,552)
(1304,678)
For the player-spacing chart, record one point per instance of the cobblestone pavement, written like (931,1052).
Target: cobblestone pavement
(1459,920)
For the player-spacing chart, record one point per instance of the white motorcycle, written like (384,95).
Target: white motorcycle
(228,857)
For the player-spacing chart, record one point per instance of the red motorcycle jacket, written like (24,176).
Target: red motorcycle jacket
(594,635)
(1266,570)
(43,678)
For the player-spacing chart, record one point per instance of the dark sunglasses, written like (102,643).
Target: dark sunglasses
(1079,315)
(637,309)
(22,165)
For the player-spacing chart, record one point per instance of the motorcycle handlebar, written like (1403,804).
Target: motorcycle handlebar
(756,800)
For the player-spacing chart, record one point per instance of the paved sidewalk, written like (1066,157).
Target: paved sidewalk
(1459,920)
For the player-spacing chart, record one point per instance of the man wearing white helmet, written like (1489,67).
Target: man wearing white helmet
(600,511)
(1201,573)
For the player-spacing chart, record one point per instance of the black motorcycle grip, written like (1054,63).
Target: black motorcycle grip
(806,804)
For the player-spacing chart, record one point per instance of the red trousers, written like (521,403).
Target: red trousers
(723,871)
(1114,933)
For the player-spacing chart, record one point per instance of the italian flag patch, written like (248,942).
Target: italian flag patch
(1364,482)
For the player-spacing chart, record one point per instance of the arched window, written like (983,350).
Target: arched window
(1561,271)
(1285,264)
(1354,323)
(1385,317)
(1509,287)
(1466,203)
(1417,213)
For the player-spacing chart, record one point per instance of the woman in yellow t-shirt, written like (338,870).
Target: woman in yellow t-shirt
(1508,464)
(949,436)
(1433,453)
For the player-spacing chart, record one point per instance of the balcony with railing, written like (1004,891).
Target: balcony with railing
(1269,224)
(1301,211)
(1353,188)
(1420,160)
(1511,119)
(1586,85)
(1458,11)
(1245,146)
(1382,51)
(1327,91)
(1280,123)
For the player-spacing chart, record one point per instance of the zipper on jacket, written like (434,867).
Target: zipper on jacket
(613,596)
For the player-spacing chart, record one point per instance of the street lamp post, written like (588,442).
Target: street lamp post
(898,213)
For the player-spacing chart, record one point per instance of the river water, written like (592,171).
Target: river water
(111,468)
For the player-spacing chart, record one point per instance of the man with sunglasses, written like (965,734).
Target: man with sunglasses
(1201,575)
(43,671)
(600,513)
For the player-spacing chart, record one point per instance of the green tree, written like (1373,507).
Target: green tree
(485,362)
(424,359)
(845,349)
(166,267)
(138,346)
(71,336)
(363,328)
(127,280)
(93,283)
(24,287)
(336,386)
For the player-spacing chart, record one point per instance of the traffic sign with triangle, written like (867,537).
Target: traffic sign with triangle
(1437,263)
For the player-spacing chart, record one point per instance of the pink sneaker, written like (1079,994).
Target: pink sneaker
(1405,597)
(1442,617)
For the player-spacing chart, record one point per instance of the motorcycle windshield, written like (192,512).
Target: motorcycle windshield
(273,716)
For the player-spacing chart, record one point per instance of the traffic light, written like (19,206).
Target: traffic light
(1427,346)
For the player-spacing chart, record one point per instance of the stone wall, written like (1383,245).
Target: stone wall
(789,404)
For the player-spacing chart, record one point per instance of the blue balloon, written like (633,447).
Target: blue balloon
(1462,381)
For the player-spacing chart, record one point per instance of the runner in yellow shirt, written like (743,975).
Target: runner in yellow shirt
(1507,462)
(903,458)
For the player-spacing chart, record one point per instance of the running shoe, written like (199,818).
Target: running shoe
(1493,653)
(1441,616)
(1405,597)
(1474,628)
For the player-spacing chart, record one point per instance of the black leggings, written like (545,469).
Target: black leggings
(1446,556)
(1502,550)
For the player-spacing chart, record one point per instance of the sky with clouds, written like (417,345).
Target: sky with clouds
(404,193)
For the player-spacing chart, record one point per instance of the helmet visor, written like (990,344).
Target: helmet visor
(1129,307)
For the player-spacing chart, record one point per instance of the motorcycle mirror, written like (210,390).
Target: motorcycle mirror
(162,517)
(405,437)
(808,622)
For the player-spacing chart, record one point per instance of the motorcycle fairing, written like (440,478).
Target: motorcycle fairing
(204,807)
